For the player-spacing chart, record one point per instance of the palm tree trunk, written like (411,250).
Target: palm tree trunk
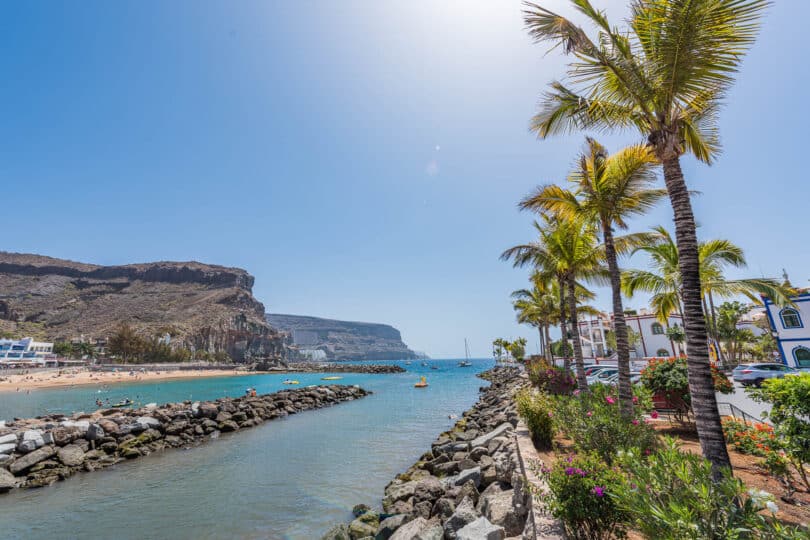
(563,329)
(550,352)
(582,381)
(701,385)
(713,318)
(619,326)
(542,343)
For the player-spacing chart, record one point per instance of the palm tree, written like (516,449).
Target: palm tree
(567,250)
(664,280)
(607,190)
(666,77)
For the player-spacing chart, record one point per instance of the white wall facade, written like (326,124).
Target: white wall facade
(791,326)
(22,350)
(653,340)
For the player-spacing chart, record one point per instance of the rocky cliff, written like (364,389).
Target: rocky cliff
(204,307)
(343,340)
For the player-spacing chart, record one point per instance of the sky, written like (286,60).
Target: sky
(363,160)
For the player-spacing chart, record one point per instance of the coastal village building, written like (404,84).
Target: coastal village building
(791,328)
(652,340)
(24,350)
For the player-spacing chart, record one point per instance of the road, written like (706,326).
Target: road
(741,400)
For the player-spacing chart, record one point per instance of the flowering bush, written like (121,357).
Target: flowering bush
(536,409)
(672,495)
(756,439)
(580,496)
(595,424)
(552,379)
(667,379)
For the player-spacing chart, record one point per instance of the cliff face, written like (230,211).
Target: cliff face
(344,340)
(206,307)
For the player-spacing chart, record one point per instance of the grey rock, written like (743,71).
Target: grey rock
(484,439)
(423,509)
(465,513)
(7,481)
(8,438)
(32,458)
(148,422)
(26,446)
(410,530)
(389,525)
(360,529)
(360,509)
(399,491)
(34,435)
(473,474)
(71,455)
(7,448)
(481,529)
(431,532)
(428,489)
(4,458)
(443,508)
(94,432)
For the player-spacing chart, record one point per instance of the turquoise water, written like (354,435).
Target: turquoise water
(287,479)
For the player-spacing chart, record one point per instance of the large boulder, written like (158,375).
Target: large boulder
(481,529)
(147,422)
(71,455)
(473,474)
(94,432)
(428,489)
(7,448)
(8,438)
(398,491)
(484,439)
(410,530)
(7,481)
(360,529)
(465,513)
(433,531)
(31,459)
(389,525)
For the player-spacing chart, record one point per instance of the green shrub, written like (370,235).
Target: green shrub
(790,413)
(580,496)
(595,423)
(536,409)
(668,377)
(671,495)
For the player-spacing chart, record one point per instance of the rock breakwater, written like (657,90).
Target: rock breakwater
(345,368)
(40,451)
(467,486)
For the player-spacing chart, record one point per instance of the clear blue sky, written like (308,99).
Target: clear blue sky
(362,159)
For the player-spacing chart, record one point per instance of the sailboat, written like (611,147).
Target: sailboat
(466,362)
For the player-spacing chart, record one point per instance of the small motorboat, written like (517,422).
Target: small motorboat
(331,378)
(434,367)
(121,404)
(421,384)
(288,381)
(424,364)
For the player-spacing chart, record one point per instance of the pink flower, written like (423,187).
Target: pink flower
(635,422)
(589,414)
(610,400)
(654,415)
(635,399)
(550,414)
(599,491)
(576,392)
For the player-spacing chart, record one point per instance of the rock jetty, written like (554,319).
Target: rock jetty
(468,486)
(344,368)
(40,451)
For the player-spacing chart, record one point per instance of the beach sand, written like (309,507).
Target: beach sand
(70,377)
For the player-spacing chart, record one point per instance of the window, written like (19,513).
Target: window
(790,318)
(662,352)
(657,329)
(802,356)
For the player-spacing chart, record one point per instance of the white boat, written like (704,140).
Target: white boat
(466,362)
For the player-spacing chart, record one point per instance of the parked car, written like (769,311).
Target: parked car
(635,377)
(754,374)
(603,375)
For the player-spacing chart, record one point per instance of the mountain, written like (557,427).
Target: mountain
(201,306)
(343,340)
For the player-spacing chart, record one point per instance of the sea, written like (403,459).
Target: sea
(290,478)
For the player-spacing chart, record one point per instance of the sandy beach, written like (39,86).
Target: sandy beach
(74,377)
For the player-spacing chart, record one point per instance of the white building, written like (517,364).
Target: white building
(652,341)
(791,328)
(24,350)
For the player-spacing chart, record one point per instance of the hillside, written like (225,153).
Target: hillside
(344,340)
(205,307)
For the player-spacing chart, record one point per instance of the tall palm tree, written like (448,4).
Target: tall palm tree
(665,76)
(607,189)
(568,250)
